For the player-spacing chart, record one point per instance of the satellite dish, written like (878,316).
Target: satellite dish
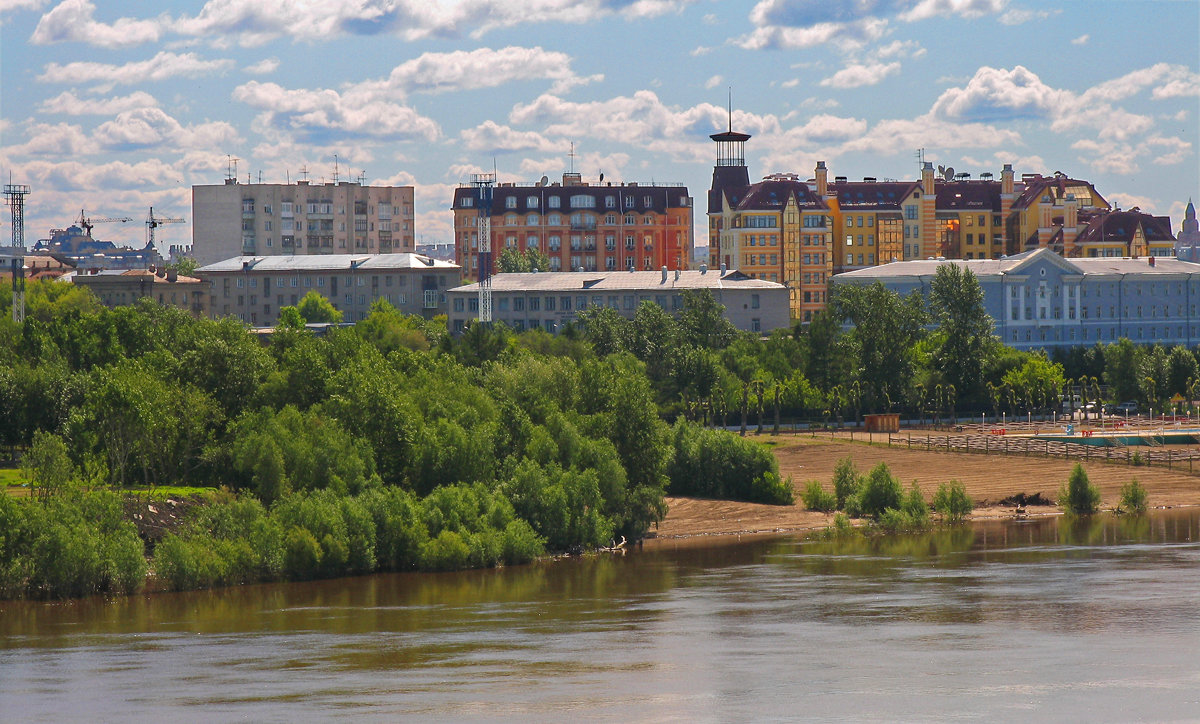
(949,173)
(941,170)
(601,177)
(545,180)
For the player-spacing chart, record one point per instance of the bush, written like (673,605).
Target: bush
(1079,496)
(446,552)
(301,554)
(915,507)
(817,498)
(1133,497)
(952,502)
(846,481)
(719,464)
(879,491)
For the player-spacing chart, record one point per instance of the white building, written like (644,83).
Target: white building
(548,300)
(235,219)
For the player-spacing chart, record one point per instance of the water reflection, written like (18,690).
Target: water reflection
(1057,616)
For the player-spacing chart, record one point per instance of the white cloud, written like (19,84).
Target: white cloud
(1081,40)
(855,75)
(252,22)
(322,115)
(53,140)
(1019,16)
(480,68)
(72,21)
(162,66)
(10,6)
(714,81)
(995,94)
(795,24)
(68,103)
(1126,158)
(266,66)
(901,49)
(926,9)
(494,138)
(147,128)
(819,103)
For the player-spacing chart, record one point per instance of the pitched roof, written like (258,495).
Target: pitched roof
(872,194)
(620,280)
(773,194)
(1013,264)
(1122,225)
(328,262)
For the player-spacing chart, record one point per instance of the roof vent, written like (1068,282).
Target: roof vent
(704,268)
(722,268)
(676,275)
(664,274)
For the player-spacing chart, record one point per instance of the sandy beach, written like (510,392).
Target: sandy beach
(988,480)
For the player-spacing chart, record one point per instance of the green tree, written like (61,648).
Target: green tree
(1122,360)
(702,321)
(964,338)
(886,330)
(1181,368)
(1079,496)
(952,501)
(47,465)
(1036,382)
(511,260)
(316,309)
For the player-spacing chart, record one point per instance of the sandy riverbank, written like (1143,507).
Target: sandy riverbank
(988,479)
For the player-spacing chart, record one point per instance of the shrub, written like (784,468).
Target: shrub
(915,507)
(719,464)
(399,528)
(301,554)
(562,506)
(1079,496)
(446,552)
(1133,497)
(879,491)
(952,501)
(817,498)
(846,481)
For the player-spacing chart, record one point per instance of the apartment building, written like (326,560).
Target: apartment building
(550,300)
(253,288)
(257,219)
(597,227)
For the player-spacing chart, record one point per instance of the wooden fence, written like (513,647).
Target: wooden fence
(1172,458)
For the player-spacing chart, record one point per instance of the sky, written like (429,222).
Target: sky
(115,107)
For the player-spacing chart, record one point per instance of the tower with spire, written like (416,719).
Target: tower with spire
(730,180)
(1187,242)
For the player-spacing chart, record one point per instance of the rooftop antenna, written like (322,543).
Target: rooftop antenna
(304,173)
(231,167)
(571,153)
(260,175)
(335,169)
(921,157)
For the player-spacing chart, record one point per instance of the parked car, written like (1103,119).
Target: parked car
(1129,407)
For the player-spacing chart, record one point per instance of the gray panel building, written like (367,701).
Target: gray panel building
(253,288)
(548,300)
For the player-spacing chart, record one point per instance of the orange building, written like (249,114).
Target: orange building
(604,226)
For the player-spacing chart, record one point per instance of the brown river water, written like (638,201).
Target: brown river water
(1043,620)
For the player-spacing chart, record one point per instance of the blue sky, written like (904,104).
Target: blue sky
(114,107)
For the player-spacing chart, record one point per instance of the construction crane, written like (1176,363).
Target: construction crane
(153,222)
(86,224)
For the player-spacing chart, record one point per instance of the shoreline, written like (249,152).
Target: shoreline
(988,480)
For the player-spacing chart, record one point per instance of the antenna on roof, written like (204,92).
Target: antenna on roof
(335,169)
(304,172)
(571,154)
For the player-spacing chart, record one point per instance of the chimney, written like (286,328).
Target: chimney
(676,275)
(1006,179)
(722,268)
(1150,260)
(822,179)
(664,274)
(172,275)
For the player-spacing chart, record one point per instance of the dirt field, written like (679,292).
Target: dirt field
(988,480)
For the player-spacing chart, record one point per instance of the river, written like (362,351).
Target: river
(1046,619)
